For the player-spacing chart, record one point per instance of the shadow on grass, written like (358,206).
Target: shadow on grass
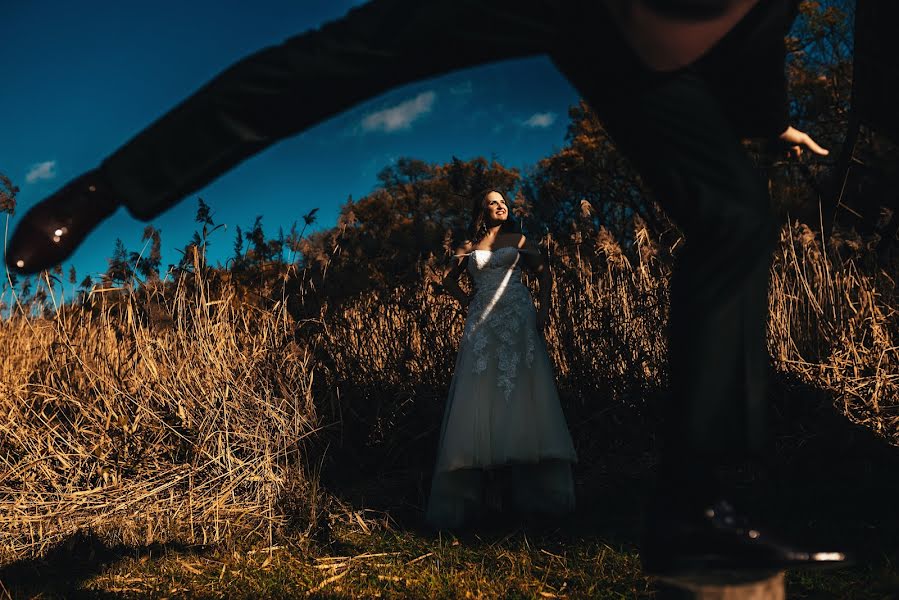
(830,477)
(61,572)
(828,482)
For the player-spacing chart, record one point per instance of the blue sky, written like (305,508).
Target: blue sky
(81,78)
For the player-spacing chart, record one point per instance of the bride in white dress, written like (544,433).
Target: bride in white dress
(504,443)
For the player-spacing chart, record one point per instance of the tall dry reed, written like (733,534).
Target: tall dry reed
(182,414)
(831,324)
(186,425)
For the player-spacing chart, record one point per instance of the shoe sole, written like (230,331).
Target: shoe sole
(713,566)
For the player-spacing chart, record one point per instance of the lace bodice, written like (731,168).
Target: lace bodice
(501,320)
(492,269)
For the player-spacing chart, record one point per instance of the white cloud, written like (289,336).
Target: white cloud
(400,116)
(41,171)
(541,120)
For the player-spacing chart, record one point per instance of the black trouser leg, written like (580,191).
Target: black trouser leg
(285,89)
(676,132)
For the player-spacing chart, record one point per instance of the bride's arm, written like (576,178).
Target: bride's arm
(533,258)
(451,279)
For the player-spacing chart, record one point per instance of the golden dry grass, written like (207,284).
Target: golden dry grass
(191,431)
(182,415)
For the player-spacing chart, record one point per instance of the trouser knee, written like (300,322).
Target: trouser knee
(742,229)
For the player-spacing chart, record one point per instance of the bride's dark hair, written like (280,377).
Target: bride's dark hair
(477,227)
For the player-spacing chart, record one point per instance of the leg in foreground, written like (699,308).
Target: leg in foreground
(682,141)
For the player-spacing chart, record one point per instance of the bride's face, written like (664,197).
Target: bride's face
(497,211)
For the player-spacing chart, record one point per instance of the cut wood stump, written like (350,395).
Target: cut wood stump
(723,586)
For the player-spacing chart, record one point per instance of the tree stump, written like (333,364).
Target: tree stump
(723,586)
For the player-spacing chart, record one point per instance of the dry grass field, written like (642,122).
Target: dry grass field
(184,440)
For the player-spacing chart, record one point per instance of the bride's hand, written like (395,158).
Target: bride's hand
(795,140)
(463,307)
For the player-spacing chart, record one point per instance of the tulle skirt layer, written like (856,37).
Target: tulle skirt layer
(504,442)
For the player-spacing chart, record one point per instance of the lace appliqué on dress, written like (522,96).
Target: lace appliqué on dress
(499,313)
(478,345)
(532,346)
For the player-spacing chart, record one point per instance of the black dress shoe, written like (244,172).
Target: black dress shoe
(717,538)
(53,228)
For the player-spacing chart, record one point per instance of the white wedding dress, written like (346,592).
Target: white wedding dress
(503,427)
